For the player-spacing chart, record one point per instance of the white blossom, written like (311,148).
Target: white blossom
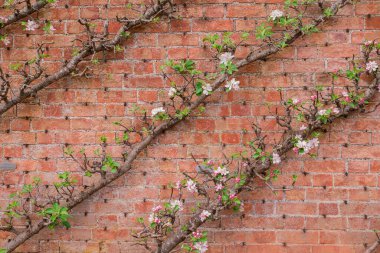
(371,66)
(232,84)
(191,186)
(345,94)
(31,25)
(336,110)
(226,57)
(207,88)
(202,247)
(303,127)
(204,215)
(218,187)
(322,112)
(175,203)
(305,144)
(51,27)
(3,19)
(151,218)
(6,40)
(276,14)
(156,209)
(295,100)
(276,158)
(158,110)
(222,171)
(172,92)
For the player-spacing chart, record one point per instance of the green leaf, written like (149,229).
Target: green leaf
(198,88)
(245,35)
(88,173)
(328,12)
(48,27)
(15,66)
(263,31)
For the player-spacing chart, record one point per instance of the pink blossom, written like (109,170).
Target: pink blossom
(222,171)
(178,185)
(345,94)
(31,25)
(202,247)
(368,43)
(197,234)
(303,127)
(157,220)
(204,215)
(295,149)
(218,187)
(210,162)
(191,186)
(313,97)
(233,195)
(3,19)
(157,209)
(295,100)
(237,180)
(6,40)
(371,66)
(336,110)
(219,197)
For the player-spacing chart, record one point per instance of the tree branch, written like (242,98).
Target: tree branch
(20,14)
(148,16)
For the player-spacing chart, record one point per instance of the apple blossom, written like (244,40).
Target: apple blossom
(197,234)
(204,215)
(158,110)
(232,84)
(202,247)
(176,203)
(322,112)
(207,89)
(191,186)
(276,14)
(371,66)
(276,158)
(218,187)
(156,209)
(6,40)
(31,25)
(303,127)
(222,171)
(295,100)
(172,92)
(226,57)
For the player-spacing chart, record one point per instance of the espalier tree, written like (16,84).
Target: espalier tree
(216,185)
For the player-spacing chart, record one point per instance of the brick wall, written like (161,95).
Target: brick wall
(335,204)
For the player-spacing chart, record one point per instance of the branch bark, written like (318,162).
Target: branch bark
(26,11)
(148,16)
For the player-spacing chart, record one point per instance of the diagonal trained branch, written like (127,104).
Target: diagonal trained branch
(256,55)
(294,140)
(94,45)
(29,9)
